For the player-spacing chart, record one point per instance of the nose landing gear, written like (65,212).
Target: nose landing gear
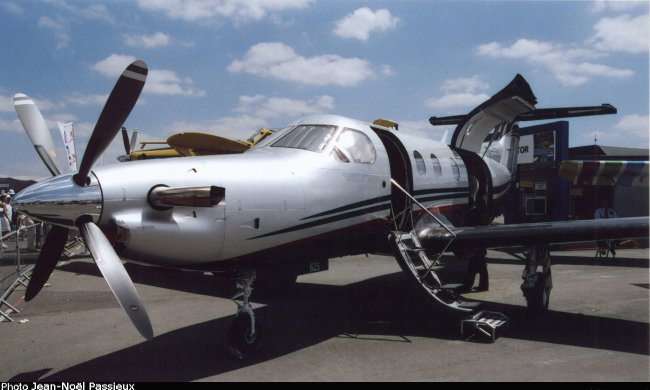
(245,332)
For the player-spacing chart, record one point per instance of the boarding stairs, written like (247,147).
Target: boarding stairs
(425,272)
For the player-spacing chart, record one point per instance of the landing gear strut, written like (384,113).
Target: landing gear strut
(537,278)
(244,334)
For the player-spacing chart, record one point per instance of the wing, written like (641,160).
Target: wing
(433,237)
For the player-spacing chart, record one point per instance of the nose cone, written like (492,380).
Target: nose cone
(60,201)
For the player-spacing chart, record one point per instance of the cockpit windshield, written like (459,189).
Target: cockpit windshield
(307,137)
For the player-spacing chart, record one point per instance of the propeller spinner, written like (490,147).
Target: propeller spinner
(72,201)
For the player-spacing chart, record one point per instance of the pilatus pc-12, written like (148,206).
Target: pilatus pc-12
(331,187)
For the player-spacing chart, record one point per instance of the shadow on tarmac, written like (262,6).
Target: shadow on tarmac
(380,308)
(580,260)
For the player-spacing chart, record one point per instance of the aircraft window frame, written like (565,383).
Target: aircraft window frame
(455,170)
(435,162)
(420,165)
(272,138)
(354,152)
(306,137)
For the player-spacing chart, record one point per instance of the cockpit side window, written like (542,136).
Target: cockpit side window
(307,137)
(354,146)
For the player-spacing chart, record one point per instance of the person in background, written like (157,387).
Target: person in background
(5,218)
(606,212)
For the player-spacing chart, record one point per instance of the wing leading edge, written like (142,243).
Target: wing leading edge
(433,237)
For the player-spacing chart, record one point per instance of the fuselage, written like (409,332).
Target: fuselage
(320,187)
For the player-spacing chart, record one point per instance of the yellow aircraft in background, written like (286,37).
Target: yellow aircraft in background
(189,144)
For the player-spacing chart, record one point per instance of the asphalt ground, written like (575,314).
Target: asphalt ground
(359,321)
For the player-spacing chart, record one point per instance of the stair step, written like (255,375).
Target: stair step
(470,305)
(414,249)
(485,322)
(405,236)
(421,268)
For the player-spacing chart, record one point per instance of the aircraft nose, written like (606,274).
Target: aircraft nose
(60,201)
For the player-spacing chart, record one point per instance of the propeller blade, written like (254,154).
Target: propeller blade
(125,140)
(118,107)
(47,259)
(34,124)
(116,276)
(134,138)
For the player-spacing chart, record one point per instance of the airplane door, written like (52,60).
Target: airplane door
(401,171)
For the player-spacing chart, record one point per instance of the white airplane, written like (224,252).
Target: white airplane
(325,186)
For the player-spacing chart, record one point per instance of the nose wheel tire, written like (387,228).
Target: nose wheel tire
(241,336)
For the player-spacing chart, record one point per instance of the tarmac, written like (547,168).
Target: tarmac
(359,321)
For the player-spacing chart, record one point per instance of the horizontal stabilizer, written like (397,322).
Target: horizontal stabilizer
(537,114)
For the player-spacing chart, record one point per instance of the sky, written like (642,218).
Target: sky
(230,67)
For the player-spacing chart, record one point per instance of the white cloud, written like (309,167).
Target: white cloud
(423,128)
(274,106)
(58,27)
(6,103)
(566,63)
(166,82)
(11,125)
(634,125)
(13,8)
(80,99)
(630,131)
(147,41)
(238,10)
(616,6)
(279,61)
(249,100)
(464,84)
(113,65)
(360,23)
(459,93)
(159,82)
(454,100)
(386,70)
(622,33)
(92,12)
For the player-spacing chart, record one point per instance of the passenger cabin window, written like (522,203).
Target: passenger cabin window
(437,169)
(454,168)
(307,137)
(419,163)
(354,146)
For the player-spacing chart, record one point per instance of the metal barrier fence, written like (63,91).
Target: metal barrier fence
(18,253)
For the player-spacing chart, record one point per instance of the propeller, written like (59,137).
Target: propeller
(118,106)
(34,124)
(129,145)
(47,259)
(125,140)
(118,279)
(134,138)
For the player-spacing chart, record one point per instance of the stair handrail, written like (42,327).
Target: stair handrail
(423,208)
(451,232)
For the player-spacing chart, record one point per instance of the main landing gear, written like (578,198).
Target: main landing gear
(245,332)
(537,278)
